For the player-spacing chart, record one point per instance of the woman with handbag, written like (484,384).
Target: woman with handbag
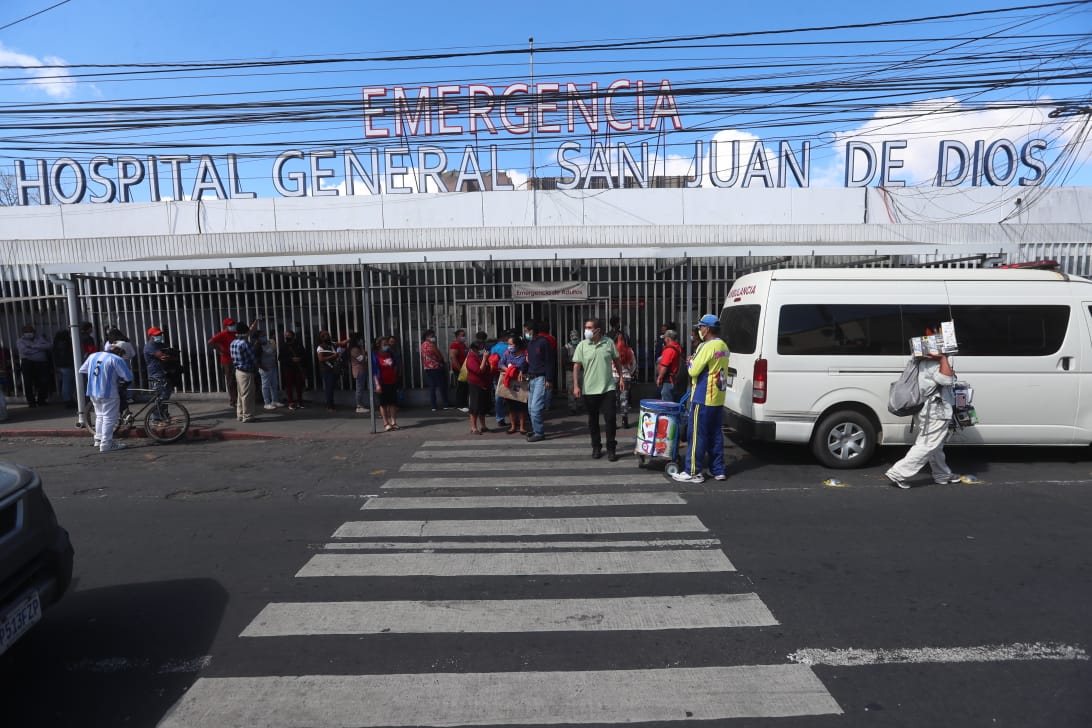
(512,365)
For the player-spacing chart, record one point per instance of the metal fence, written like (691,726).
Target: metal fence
(406,299)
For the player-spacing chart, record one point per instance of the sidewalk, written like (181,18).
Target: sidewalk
(213,419)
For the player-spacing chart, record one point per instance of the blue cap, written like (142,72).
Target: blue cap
(708,320)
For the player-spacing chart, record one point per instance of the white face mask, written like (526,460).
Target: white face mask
(589,334)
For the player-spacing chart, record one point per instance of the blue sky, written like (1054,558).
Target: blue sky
(87,32)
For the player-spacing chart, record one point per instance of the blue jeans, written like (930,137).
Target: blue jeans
(536,404)
(437,381)
(329,381)
(164,389)
(667,392)
(271,385)
(362,388)
(500,406)
(68,384)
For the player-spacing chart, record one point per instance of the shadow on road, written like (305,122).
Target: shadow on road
(146,644)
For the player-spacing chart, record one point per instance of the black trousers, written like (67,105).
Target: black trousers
(607,405)
(37,381)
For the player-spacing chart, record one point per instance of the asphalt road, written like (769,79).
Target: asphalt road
(180,548)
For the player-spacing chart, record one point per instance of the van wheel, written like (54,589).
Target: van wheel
(845,439)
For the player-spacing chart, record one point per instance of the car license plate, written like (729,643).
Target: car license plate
(20,618)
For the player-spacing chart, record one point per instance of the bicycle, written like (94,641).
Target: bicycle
(164,420)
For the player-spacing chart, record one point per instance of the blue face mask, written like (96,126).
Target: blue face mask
(386,347)
(157,339)
(511,347)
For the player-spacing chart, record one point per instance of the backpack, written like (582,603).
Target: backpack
(904,399)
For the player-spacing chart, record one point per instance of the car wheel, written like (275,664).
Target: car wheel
(844,439)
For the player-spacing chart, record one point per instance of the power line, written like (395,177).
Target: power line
(34,15)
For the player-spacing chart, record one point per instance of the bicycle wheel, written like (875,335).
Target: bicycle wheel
(166,421)
(125,421)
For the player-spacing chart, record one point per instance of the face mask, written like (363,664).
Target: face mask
(589,334)
(28,336)
(511,347)
(432,339)
(574,340)
(528,335)
(157,339)
(462,339)
(386,347)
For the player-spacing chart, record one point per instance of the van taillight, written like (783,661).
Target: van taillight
(758,382)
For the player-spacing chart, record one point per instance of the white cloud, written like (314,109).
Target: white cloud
(57,82)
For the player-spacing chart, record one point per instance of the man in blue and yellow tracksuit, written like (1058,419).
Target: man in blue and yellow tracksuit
(708,370)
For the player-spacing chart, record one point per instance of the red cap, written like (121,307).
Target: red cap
(154,331)
(229,321)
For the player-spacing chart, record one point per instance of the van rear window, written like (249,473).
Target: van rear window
(873,329)
(739,328)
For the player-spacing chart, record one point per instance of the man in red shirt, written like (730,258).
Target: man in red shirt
(668,366)
(222,343)
(456,354)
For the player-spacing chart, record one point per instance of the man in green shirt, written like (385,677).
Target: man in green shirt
(594,357)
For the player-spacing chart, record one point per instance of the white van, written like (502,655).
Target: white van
(814,351)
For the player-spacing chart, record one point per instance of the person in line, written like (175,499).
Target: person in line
(385,381)
(567,367)
(708,371)
(435,366)
(222,341)
(358,368)
(105,371)
(500,404)
(551,376)
(33,351)
(88,343)
(157,358)
(540,367)
(245,365)
(935,378)
(593,378)
(667,366)
(625,368)
(456,354)
(329,353)
(266,349)
(64,367)
(479,379)
(293,357)
(512,366)
(118,343)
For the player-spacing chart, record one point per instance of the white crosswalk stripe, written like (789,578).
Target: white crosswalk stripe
(694,611)
(509,698)
(517,564)
(525,501)
(587,540)
(519,527)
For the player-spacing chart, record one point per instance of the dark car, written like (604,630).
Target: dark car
(35,553)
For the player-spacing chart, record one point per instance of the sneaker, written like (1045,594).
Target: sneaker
(720,477)
(362,410)
(896,481)
(112,446)
(464,410)
(684,477)
(949,479)
(502,423)
(536,438)
(96,444)
(278,405)
(269,406)
(433,409)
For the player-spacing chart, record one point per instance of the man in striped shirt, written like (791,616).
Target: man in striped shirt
(104,371)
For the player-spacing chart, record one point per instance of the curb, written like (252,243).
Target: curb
(193,434)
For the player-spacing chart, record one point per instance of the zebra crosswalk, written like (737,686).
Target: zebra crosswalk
(567,526)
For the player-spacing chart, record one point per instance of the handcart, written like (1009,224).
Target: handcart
(658,427)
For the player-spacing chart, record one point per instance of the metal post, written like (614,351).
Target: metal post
(77,353)
(534,123)
(369,343)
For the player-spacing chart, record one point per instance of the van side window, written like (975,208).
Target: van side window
(839,330)
(739,328)
(1010,330)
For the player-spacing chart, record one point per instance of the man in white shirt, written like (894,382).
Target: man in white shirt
(105,371)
